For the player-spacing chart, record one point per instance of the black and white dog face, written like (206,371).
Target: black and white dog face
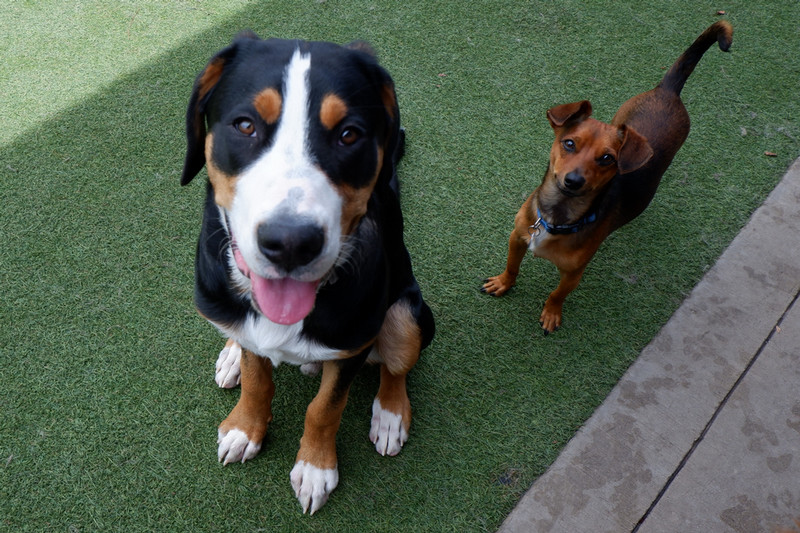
(295,137)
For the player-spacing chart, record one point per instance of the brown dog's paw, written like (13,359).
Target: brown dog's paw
(546,331)
(550,320)
(496,286)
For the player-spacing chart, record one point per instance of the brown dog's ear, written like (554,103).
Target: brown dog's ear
(195,113)
(574,112)
(634,152)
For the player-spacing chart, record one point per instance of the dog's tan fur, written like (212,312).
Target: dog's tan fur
(609,171)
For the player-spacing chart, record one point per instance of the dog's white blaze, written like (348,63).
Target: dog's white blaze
(285,179)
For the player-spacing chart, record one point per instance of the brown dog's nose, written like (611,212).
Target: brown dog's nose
(574,181)
(290,243)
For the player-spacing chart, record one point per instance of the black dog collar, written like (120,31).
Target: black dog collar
(562,229)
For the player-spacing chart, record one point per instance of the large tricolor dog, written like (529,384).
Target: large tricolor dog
(301,256)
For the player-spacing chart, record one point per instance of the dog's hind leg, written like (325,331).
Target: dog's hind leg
(227,373)
(518,243)
(550,318)
(399,344)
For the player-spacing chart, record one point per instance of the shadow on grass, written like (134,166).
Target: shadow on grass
(112,420)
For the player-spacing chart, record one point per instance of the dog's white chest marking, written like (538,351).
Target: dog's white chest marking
(281,344)
(537,235)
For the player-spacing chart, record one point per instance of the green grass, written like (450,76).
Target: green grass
(109,411)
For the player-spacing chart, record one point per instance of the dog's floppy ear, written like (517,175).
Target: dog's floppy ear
(395,137)
(634,152)
(574,112)
(383,79)
(362,46)
(195,113)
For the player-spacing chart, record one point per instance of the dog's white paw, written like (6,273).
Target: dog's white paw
(234,447)
(311,369)
(387,432)
(313,485)
(228,373)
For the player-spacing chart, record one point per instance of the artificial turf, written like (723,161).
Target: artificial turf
(109,410)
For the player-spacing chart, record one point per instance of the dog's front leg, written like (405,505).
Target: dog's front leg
(518,243)
(550,318)
(315,473)
(240,434)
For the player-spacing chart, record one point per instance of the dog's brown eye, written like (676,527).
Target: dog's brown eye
(245,127)
(568,144)
(606,160)
(349,136)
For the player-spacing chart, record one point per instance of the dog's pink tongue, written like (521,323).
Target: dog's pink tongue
(285,301)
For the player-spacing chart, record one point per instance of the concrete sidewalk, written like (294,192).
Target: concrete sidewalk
(703,431)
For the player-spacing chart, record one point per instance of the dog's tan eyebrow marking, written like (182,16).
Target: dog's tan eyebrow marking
(268,103)
(332,110)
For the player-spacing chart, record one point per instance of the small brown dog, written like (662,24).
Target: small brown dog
(601,176)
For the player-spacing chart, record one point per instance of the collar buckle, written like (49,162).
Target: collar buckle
(536,228)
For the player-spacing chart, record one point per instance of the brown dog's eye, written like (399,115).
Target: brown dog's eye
(606,160)
(245,127)
(349,136)
(568,144)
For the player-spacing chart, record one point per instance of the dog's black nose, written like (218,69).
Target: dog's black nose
(290,243)
(573,181)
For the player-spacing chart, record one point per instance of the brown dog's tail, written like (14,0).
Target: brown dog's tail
(720,31)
